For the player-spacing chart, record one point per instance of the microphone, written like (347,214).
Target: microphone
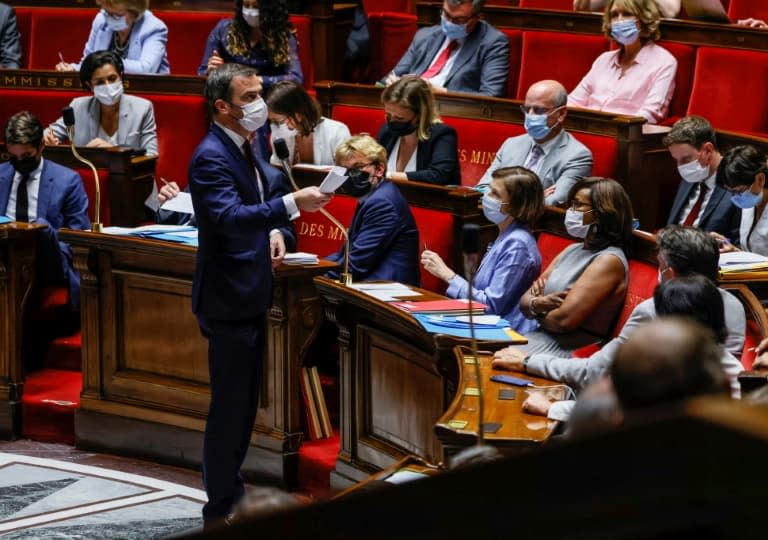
(282,153)
(69,120)
(470,246)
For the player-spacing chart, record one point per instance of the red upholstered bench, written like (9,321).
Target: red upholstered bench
(744,9)
(604,153)
(316,234)
(436,232)
(560,5)
(187,35)
(359,119)
(555,55)
(390,34)
(686,60)
(478,142)
(303,26)
(515,38)
(46,105)
(24,24)
(58,30)
(550,245)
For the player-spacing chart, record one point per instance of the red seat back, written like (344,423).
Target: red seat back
(302,24)
(559,56)
(550,245)
(46,105)
(390,34)
(515,38)
(686,60)
(559,5)
(478,141)
(187,34)
(58,30)
(721,77)
(316,234)
(752,337)
(745,9)
(604,150)
(643,278)
(436,232)
(385,5)
(359,119)
(24,24)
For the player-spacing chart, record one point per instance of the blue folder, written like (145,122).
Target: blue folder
(501,331)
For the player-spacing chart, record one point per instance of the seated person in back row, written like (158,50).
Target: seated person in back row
(699,201)
(37,190)
(547,149)
(383,239)
(10,48)
(463,54)
(108,117)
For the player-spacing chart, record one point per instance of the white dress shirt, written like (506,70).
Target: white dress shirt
(33,187)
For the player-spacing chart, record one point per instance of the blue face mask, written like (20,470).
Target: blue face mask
(625,32)
(453,31)
(536,126)
(492,209)
(747,199)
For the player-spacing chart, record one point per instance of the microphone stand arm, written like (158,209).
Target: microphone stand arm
(96,225)
(473,343)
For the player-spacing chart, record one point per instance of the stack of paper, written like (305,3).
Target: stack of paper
(740,261)
(386,292)
(300,257)
(455,306)
(5,219)
(182,234)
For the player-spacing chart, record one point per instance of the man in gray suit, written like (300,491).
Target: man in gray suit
(10,49)
(683,251)
(463,54)
(546,149)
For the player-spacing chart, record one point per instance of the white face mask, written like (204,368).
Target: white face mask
(116,24)
(282,131)
(574,224)
(251,16)
(254,115)
(108,94)
(693,171)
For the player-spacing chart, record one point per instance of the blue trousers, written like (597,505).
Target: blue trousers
(235,351)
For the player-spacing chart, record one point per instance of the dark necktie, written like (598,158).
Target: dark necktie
(22,200)
(441,60)
(249,158)
(693,214)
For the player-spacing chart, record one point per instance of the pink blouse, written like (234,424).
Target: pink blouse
(645,88)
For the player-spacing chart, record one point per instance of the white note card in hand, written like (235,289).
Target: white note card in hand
(180,203)
(333,180)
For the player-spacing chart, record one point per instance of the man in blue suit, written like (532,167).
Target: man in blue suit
(462,54)
(37,190)
(699,202)
(232,286)
(383,239)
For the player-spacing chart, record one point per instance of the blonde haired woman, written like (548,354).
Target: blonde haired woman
(420,147)
(129,29)
(638,78)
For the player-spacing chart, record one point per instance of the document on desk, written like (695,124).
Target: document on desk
(386,292)
(181,203)
(300,257)
(455,326)
(5,219)
(334,179)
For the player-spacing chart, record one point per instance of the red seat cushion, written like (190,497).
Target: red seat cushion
(436,232)
(48,403)
(390,34)
(187,34)
(478,141)
(721,77)
(58,30)
(560,56)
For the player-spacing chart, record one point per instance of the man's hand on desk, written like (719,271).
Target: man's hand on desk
(276,248)
(537,403)
(311,198)
(510,359)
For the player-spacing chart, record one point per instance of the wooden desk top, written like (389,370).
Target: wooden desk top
(17,229)
(458,426)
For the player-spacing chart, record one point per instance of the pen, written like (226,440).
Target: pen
(164,181)
(425,246)
(61,57)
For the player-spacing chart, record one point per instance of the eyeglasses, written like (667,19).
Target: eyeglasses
(457,20)
(538,110)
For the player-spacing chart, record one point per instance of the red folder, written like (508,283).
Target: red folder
(449,305)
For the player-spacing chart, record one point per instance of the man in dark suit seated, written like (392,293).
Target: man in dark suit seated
(699,202)
(10,47)
(36,190)
(462,54)
(383,239)
(232,285)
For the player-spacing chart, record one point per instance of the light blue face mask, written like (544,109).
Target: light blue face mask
(116,24)
(492,209)
(747,199)
(625,32)
(453,31)
(536,126)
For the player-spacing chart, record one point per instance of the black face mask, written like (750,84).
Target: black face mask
(25,165)
(358,183)
(401,128)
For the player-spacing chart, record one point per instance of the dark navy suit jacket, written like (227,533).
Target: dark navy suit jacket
(437,158)
(61,201)
(720,215)
(383,239)
(233,271)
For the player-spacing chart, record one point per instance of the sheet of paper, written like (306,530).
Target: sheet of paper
(741,257)
(5,219)
(180,203)
(333,180)
(403,475)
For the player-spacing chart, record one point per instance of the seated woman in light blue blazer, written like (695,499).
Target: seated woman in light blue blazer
(129,29)
(108,117)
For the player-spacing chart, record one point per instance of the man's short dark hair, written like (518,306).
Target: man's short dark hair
(219,83)
(24,128)
(693,130)
(94,61)
(689,250)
